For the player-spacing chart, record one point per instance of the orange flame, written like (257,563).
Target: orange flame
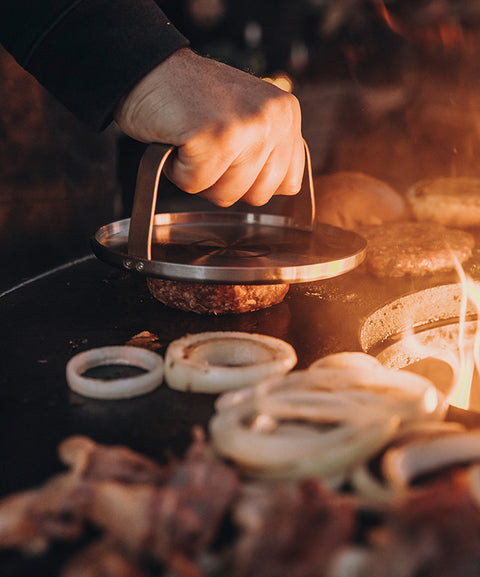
(468,347)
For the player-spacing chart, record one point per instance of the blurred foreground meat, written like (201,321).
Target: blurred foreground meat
(169,515)
(31,520)
(194,518)
(102,560)
(290,530)
(180,517)
(433,532)
(90,461)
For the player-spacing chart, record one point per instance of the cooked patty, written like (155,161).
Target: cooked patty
(216,299)
(453,201)
(414,248)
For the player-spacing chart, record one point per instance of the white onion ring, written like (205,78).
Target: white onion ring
(347,360)
(123,388)
(214,362)
(321,406)
(377,491)
(234,397)
(345,455)
(370,488)
(422,430)
(257,447)
(323,421)
(271,449)
(402,465)
(400,392)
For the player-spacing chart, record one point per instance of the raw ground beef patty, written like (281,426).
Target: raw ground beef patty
(414,248)
(216,299)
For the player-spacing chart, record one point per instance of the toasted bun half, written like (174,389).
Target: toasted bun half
(451,201)
(215,299)
(352,199)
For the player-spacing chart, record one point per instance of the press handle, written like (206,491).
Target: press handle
(145,199)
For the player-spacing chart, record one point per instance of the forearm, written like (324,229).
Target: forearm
(88,53)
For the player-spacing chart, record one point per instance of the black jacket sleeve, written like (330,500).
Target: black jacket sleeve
(88,53)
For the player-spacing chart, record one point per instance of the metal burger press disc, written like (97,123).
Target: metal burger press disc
(222,246)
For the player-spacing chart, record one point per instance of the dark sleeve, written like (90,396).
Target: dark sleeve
(88,53)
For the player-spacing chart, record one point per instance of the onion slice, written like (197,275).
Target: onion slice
(387,390)
(286,450)
(375,490)
(215,362)
(298,431)
(258,442)
(324,421)
(123,388)
(347,360)
(402,465)
(344,455)
(300,395)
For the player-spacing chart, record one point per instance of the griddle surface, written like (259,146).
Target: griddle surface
(87,304)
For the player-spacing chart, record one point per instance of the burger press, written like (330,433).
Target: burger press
(222,246)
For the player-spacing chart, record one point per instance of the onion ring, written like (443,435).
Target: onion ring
(286,445)
(402,465)
(123,388)
(214,362)
(347,360)
(266,442)
(401,392)
(323,421)
(378,492)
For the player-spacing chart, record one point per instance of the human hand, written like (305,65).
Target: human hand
(236,136)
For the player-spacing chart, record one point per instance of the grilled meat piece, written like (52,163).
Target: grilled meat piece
(290,529)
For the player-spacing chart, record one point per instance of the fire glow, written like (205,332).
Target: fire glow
(434,332)
(468,368)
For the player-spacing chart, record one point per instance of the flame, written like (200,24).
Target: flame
(468,348)
(448,354)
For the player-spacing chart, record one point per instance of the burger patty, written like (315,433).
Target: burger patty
(414,248)
(215,299)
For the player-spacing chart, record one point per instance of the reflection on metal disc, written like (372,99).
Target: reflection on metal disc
(234,247)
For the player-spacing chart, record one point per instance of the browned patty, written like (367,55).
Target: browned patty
(414,248)
(216,298)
